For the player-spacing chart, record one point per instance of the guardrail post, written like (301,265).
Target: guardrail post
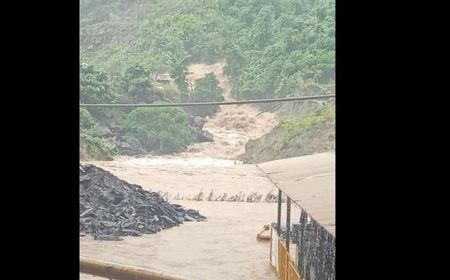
(288,222)
(279,213)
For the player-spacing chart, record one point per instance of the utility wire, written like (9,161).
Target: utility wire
(214,103)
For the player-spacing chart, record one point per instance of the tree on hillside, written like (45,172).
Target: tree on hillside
(86,120)
(160,129)
(177,64)
(206,90)
(136,84)
(95,86)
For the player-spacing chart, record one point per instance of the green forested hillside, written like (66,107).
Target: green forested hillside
(273,48)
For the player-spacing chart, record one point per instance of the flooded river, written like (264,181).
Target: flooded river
(207,178)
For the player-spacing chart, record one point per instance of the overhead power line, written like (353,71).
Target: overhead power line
(298,98)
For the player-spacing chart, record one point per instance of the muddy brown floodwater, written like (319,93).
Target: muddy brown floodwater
(224,246)
(233,125)
(186,178)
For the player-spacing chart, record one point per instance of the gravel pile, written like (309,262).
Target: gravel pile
(110,207)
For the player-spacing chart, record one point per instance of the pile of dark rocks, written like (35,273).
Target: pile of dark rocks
(110,207)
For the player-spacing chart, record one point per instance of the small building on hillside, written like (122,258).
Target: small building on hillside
(162,79)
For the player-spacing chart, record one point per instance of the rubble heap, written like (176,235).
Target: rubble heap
(110,207)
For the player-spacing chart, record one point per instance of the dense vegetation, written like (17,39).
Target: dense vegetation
(312,133)
(272,48)
(296,126)
(161,129)
(86,120)
(206,90)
